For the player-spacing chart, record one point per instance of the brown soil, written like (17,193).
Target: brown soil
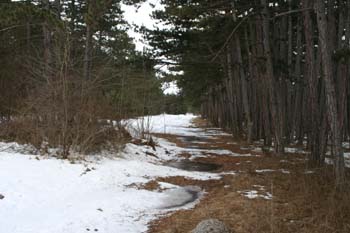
(302,201)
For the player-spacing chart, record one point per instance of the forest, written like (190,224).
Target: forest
(67,65)
(271,70)
(262,116)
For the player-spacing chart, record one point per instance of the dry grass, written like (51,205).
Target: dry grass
(302,202)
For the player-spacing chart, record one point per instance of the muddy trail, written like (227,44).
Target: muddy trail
(258,192)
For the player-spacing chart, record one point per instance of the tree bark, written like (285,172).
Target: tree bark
(278,126)
(88,42)
(57,4)
(47,41)
(331,103)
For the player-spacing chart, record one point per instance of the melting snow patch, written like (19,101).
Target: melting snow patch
(284,171)
(267,196)
(347,155)
(264,170)
(14,147)
(103,198)
(329,161)
(259,150)
(271,170)
(253,194)
(181,197)
(244,155)
(291,150)
(228,173)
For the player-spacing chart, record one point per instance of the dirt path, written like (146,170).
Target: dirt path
(265,193)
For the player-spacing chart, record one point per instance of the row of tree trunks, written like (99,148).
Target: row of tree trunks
(287,80)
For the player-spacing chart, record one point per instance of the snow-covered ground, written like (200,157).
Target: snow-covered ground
(47,195)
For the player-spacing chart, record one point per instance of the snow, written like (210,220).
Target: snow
(294,150)
(253,194)
(48,195)
(180,196)
(284,171)
(165,123)
(179,125)
(57,192)
(245,155)
(257,149)
(264,170)
(260,193)
(329,161)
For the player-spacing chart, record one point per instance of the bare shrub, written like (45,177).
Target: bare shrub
(62,110)
(141,127)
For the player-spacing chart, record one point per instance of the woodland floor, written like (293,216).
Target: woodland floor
(266,194)
(190,172)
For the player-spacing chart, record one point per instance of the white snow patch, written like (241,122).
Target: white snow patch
(185,197)
(284,171)
(347,155)
(54,196)
(244,155)
(257,149)
(264,170)
(71,200)
(174,124)
(253,194)
(271,170)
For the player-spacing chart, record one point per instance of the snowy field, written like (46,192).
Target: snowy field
(47,195)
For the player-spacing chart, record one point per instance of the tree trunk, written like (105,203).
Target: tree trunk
(299,88)
(47,41)
(57,4)
(87,53)
(88,42)
(278,126)
(28,31)
(331,103)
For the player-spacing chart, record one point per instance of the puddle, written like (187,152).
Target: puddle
(191,139)
(179,197)
(200,147)
(189,165)
(199,143)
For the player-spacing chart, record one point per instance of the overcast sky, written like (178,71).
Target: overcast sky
(141,17)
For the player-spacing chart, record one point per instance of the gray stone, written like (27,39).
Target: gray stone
(2,196)
(211,226)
